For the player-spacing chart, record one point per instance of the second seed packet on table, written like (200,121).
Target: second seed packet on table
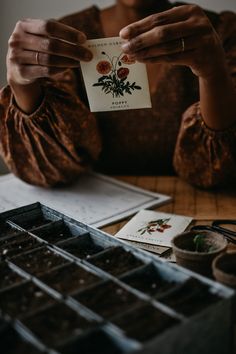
(154,228)
(114,82)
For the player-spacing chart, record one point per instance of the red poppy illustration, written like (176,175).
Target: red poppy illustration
(126,60)
(122,73)
(104,67)
(159,225)
(114,76)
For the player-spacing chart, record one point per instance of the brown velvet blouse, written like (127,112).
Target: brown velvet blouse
(62,138)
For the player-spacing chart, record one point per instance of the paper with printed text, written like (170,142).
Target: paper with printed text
(94,199)
(155,228)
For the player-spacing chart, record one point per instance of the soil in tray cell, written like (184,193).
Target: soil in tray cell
(96,342)
(39,261)
(107,299)
(31,219)
(54,234)
(22,347)
(12,343)
(189,298)
(21,300)
(83,247)
(149,281)
(144,323)
(116,261)
(7,230)
(8,277)
(70,278)
(16,245)
(57,324)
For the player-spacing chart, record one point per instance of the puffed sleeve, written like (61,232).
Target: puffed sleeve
(54,144)
(204,157)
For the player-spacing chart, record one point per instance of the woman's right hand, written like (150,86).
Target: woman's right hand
(39,48)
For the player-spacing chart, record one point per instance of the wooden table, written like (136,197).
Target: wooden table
(203,206)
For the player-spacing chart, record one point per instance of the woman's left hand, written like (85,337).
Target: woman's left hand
(180,36)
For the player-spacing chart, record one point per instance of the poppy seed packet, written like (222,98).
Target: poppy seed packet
(113,81)
(154,228)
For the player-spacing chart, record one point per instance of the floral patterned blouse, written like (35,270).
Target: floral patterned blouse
(62,139)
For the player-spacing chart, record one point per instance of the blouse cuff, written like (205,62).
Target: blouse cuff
(38,112)
(210,131)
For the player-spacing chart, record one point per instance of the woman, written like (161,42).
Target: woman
(48,135)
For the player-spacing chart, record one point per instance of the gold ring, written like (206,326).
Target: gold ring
(37,58)
(183,44)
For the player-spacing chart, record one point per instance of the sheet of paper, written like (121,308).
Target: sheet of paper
(95,199)
(154,227)
(113,82)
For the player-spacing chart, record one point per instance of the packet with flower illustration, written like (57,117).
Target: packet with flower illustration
(114,82)
(155,228)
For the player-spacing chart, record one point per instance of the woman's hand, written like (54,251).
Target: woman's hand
(39,48)
(180,36)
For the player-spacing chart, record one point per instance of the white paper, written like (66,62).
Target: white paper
(154,227)
(113,82)
(94,199)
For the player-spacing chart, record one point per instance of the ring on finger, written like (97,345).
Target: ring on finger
(37,58)
(182,44)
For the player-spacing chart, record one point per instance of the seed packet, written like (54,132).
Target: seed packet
(153,227)
(113,81)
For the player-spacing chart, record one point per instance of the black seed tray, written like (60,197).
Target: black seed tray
(57,231)
(68,288)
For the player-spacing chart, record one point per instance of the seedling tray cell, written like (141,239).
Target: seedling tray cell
(33,219)
(7,333)
(107,299)
(150,281)
(39,261)
(23,347)
(189,298)
(57,231)
(144,323)
(7,229)
(23,299)
(116,261)
(94,341)
(69,278)
(8,277)
(13,343)
(68,288)
(84,246)
(60,321)
(12,246)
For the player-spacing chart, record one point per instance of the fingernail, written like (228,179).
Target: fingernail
(88,56)
(82,38)
(125,47)
(125,33)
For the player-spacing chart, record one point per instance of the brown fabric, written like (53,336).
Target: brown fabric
(62,138)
